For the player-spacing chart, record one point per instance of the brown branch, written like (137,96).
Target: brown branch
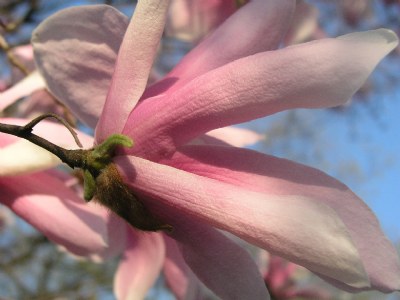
(73,158)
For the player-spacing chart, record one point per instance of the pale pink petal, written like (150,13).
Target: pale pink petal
(140,265)
(22,157)
(223,266)
(190,20)
(178,276)
(274,176)
(293,225)
(228,136)
(25,52)
(235,136)
(19,156)
(75,51)
(133,66)
(39,102)
(46,203)
(258,26)
(23,88)
(318,74)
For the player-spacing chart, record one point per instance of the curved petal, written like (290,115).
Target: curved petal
(295,226)
(140,265)
(222,265)
(18,156)
(43,200)
(75,51)
(178,276)
(134,62)
(275,176)
(23,88)
(235,136)
(258,26)
(257,86)
(228,136)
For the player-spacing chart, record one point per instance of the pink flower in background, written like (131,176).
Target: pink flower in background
(31,87)
(233,76)
(304,25)
(354,11)
(191,20)
(32,83)
(280,278)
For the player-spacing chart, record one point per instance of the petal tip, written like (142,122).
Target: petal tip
(381,36)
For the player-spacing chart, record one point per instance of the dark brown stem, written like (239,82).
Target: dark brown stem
(73,158)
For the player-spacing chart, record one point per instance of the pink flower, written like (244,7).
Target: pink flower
(289,209)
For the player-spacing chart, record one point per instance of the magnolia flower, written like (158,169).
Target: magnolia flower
(233,76)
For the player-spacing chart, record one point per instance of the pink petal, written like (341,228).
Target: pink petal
(133,66)
(256,27)
(274,176)
(23,88)
(257,86)
(43,200)
(25,52)
(140,265)
(75,51)
(178,276)
(39,102)
(235,136)
(293,224)
(222,265)
(228,136)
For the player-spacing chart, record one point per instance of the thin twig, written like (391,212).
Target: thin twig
(35,121)
(73,158)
